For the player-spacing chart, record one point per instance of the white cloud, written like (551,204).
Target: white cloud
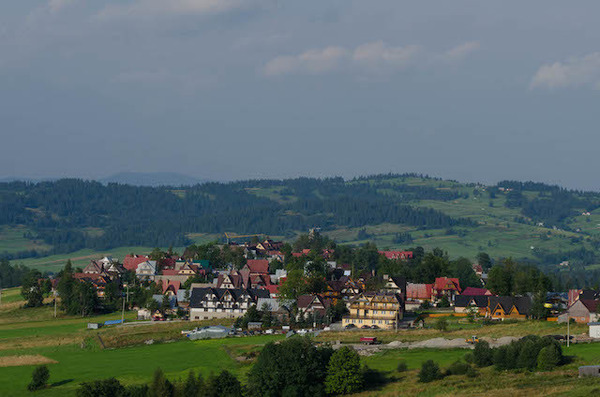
(373,57)
(574,72)
(460,52)
(173,7)
(378,54)
(314,61)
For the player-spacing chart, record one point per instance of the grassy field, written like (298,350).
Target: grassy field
(54,263)
(12,240)
(79,356)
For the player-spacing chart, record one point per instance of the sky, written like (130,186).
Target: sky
(238,89)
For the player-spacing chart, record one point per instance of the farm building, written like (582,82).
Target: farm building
(594,330)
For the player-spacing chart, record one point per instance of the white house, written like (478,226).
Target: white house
(146,270)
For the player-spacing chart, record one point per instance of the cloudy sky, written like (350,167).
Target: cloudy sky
(230,89)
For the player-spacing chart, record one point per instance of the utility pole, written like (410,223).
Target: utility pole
(55,294)
(568,330)
(123,312)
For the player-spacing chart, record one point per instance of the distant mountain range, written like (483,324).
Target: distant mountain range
(153,179)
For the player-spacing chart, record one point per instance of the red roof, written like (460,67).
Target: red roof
(131,262)
(273,289)
(258,266)
(170,272)
(472,291)
(445,284)
(175,284)
(397,254)
(418,291)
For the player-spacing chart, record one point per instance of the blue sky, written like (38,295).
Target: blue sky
(231,89)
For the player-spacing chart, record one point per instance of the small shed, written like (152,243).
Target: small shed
(254,325)
(589,370)
(594,330)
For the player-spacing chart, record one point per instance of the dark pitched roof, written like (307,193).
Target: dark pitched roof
(522,303)
(198,294)
(588,294)
(590,304)
(465,300)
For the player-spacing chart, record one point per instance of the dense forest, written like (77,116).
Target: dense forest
(72,214)
(62,212)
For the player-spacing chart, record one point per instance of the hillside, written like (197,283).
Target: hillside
(545,224)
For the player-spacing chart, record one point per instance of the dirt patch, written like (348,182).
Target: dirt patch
(17,361)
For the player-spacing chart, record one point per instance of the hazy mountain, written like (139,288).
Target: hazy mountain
(152,179)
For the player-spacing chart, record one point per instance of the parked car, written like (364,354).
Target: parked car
(350,326)
(374,326)
(366,327)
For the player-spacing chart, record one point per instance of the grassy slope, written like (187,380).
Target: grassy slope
(496,233)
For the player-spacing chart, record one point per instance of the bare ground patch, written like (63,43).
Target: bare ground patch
(17,361)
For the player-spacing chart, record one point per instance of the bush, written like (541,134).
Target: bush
(549,357)
(343,372)
(482,354)
(472,373)
(528,355)
(39,378)
(457,368)
(101,388)
(430,371)
(402,366)
(441,324)
(470,358)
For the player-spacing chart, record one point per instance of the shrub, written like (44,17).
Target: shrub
(39,378)
(528,355)
(402,366)
(549,357)
(457,368)
(472,373)
(343,372)
(441,324)
(482,354)
(101,388)
(470,358)
(430,371)
(500,357)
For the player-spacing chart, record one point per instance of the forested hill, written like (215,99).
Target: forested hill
(394,210)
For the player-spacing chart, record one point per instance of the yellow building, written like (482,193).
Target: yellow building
(383,310)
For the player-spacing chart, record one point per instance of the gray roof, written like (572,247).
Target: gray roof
(181,295)
(159,299)
(275,304)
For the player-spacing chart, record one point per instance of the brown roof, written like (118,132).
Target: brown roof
(258,266)
(590,304)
